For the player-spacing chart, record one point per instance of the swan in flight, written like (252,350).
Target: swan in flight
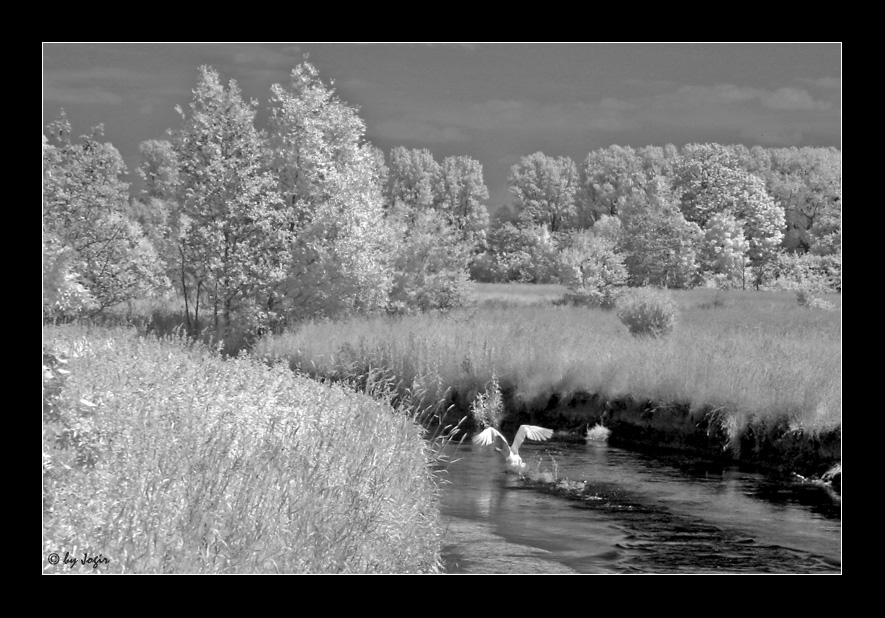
(511,452)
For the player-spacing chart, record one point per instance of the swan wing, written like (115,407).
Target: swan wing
(488,436)
(532,432)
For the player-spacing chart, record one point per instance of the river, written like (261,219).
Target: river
(636,514)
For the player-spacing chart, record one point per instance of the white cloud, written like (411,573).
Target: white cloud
(792,98)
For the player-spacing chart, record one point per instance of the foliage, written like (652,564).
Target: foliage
(524,253)
(430,268)
(487,409)
(660,246)
(811,273)
(63,294)
(236,247)
(807,184)
(85,213)
(413,178)
(460,193)
(544,188)
(805,299)
(168,459)
(720,197)
(159,169)
(725,250)
(648,312)
(328,175)
(592,270)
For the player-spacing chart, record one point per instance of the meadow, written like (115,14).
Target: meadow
(168,457)
(160,456)
(748,354)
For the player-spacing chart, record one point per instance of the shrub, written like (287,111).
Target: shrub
(805,299)
(592,271)
(648,311)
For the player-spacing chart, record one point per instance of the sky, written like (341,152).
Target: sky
(493,102)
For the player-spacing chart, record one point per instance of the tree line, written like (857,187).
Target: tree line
(673,217)
(258,229)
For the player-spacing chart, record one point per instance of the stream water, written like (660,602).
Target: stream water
(636,513)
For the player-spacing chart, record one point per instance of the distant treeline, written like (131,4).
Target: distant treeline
(254,230)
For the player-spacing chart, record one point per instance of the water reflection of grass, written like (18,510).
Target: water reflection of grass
(752,354)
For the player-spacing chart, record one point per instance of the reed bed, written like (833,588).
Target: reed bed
(162,457)
(748,353)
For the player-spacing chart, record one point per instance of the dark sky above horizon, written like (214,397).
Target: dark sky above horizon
(494,102)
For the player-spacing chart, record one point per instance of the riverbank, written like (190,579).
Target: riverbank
(711,433)
(753,377)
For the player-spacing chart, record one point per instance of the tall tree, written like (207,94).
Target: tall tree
(460,194)
(236,246)
(726,250)
(544,189)
(660,246)
(807,183)
(328,176)
(85,214)
(430,266)
(413,178)
(609,178)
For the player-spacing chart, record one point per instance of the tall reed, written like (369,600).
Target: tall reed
(203,465)
(755,354)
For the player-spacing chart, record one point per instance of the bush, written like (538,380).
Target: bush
(805,299)
(606,298)
(648,311)
(592,270)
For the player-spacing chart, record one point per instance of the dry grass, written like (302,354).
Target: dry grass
(752,353)
(164,458)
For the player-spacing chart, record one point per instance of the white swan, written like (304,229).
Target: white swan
(511,452)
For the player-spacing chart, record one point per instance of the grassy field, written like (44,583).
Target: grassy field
(752,354)
(161,457)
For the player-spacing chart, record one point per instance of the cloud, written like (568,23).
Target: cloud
(784,98)
(784,115)
(792,99)
(834,83)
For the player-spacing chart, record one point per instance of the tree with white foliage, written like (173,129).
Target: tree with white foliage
(328,176)
(726,251)
(90,241)
(592,269)
(236,245)
(430,266)
(545,188)
(413,178)
(660,246)
(714,192)
(460,193)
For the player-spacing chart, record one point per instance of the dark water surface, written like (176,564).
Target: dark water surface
(637,514)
